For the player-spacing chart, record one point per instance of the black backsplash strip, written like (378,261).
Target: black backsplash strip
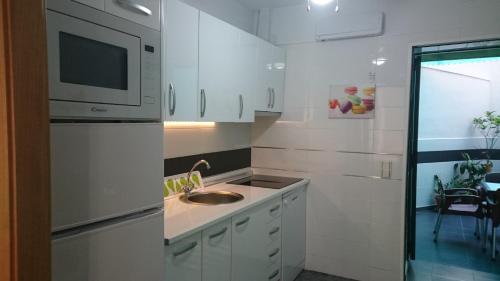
(454,155)
(221,162)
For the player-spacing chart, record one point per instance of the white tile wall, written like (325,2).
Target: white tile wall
(355,225)
(189,140)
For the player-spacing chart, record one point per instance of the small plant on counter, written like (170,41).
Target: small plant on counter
(489,126)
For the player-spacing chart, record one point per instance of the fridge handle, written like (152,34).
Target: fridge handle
(92,228)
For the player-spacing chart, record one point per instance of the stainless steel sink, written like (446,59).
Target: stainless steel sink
(212,197)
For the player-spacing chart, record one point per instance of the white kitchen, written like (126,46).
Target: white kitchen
(236,140)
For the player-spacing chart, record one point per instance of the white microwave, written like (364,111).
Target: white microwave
(101,67)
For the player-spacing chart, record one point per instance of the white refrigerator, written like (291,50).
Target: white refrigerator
(107,202)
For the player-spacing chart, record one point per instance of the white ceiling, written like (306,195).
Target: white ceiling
(257,4)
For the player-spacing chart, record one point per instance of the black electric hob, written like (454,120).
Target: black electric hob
(264,181)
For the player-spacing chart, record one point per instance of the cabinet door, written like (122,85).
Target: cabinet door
(145,12)
(263,97)
(98,4)
(219,100)
(183,259)
(217,252)
(246,80)
(293,235)
(180,61)
(248,263)
(278,78)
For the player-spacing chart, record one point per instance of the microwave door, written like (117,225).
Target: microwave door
(93,64)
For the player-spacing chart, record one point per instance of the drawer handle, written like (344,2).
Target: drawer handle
(295,197)
(128,4)
(274,209)
(187,249)
(274,231)
(271,255)
(215,235)
(98,109)
(274,274)
(243,222)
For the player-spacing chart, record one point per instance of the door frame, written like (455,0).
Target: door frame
(24,143)
(412,133)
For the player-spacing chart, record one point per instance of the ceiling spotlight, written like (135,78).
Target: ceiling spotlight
(322,3)
(379,61)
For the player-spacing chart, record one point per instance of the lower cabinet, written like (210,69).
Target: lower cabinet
(216,258)
(256,247)
(264,243)
(183,259)
(294,233)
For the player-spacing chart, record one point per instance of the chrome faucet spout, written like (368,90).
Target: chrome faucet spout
(189,186)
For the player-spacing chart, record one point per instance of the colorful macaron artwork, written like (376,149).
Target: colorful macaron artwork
(352,102)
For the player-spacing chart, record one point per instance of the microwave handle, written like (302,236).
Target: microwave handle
(203,103)
(171,99)
(131,5)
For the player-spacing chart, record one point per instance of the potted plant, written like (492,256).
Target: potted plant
(468,174)
(489,126)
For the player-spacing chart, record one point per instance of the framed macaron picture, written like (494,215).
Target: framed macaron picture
(352,102)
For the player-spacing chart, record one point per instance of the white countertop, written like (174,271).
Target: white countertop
(183,219)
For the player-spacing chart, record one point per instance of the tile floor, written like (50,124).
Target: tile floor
(307,275)
(457,256)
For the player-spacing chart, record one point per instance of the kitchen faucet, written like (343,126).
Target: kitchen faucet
(188,187)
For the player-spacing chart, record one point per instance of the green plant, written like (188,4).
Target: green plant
(489,126)
(468,174)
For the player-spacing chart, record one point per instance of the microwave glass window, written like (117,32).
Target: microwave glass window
(89,62)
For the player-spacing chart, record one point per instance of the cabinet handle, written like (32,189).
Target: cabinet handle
(274,274)
(274,96)
(295,197)
(276,208)
(240,223)
(274,231)
(390,170)
(203,103)
(270,96)
(131,5)
(187,249)
(215,235)
(241,106)
(271,255)
(171,99)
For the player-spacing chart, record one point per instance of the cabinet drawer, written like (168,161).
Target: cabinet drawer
(273,255)
(145,12)
(183,259)
(273,231)
(274,273)
(271,210)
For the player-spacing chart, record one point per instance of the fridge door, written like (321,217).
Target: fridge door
(130,250)
(100,171)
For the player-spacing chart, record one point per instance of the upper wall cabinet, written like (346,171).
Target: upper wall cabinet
(226,72)
(180,61)
(271,78)
(145,12)
(213,71)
